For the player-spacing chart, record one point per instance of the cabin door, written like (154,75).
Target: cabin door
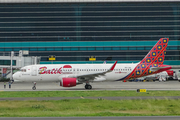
(34,71)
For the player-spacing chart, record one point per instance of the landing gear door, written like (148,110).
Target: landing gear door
(34,71)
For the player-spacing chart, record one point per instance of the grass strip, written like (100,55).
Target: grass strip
(89,107)
(103,93)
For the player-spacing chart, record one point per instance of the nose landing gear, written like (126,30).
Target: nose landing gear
(34,86)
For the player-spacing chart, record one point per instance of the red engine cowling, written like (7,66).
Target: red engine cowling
(170,72)
(68,82)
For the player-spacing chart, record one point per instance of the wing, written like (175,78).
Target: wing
(92,76)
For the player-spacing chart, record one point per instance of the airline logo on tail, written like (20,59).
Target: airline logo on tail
(154,59)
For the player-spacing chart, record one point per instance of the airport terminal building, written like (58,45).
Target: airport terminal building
(75,30)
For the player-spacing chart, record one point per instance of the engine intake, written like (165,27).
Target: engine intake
(68,82)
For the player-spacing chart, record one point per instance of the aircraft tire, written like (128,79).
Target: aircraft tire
(86,86)
(89,87)
(34,88)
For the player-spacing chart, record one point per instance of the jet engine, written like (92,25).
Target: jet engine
(68,82)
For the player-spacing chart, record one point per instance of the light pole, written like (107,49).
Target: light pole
(12,54)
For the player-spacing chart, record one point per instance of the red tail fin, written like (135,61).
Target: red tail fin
(154,58)
(157,53)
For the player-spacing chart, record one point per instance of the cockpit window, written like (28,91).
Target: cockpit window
(23,70)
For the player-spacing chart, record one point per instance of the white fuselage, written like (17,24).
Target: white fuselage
(55,72)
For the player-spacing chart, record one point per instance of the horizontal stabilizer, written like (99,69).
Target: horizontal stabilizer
(175,67)
(156,68)
(161,68)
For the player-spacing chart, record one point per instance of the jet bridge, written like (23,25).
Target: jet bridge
(19,60)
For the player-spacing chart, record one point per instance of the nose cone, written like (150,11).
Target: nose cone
(15,76)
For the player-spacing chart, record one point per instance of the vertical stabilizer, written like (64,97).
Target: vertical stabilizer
(157,54)
(154,58)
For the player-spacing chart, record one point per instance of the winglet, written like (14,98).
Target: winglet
(105,62)
(113,66)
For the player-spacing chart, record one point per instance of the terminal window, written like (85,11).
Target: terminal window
(7,62)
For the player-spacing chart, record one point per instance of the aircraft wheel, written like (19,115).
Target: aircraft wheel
(86,86)
(33,87)
(89,87)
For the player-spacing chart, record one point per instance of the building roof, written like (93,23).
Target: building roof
(76,1)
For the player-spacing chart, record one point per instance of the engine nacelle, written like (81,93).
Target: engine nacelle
(68,82)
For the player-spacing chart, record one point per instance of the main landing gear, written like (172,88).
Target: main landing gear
(34,86)
(88,86)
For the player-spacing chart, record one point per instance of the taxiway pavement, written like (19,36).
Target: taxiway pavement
(115,85)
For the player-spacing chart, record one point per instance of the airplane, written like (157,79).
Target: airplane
(70,75)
